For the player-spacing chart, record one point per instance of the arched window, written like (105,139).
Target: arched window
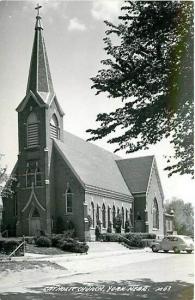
(29,175)
(123,217)
(131,216)
(109,215)
(54,127)
(155,214)
(126,215)
(32,130)
(69,199)
(98,215)
(93,214)
(118,211)
(103,216)
(37,175)
(33,174)
(35,213)
(113,214)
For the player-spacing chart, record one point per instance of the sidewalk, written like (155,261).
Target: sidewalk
(96,250)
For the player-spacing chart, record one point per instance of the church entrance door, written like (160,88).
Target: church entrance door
(34,222)
(35,226)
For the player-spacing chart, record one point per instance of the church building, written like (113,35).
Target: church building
(64,181)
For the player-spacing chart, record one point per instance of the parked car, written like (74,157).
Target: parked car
(176,243)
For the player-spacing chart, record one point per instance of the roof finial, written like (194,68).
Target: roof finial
(38,17)
(38,8)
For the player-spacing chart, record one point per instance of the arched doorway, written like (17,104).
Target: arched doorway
(34,222)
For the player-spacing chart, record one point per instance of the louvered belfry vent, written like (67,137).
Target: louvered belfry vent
(32,130)
(33,134)
(54,127)
(53,131)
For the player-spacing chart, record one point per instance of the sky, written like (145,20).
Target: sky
(73,32)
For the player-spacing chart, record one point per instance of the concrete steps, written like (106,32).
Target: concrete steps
(106,247)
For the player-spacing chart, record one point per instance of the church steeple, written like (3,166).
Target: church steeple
(39,79)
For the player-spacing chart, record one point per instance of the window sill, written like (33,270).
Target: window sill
(32,147)
(155,229)
(30,187)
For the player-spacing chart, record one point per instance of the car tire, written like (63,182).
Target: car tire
(176,250)
(166,251)
(189,251)
(154,248)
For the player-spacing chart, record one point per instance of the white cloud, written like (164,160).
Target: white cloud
(76,25)
(106,9)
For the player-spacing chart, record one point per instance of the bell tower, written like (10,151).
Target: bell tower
(40,120)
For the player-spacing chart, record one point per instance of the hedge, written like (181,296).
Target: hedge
(43,241)
(111,237)
(7,246)
(132,239)
(72,245)
(66,244)
(143,235)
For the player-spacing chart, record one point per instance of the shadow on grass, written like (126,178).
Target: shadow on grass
(139,290)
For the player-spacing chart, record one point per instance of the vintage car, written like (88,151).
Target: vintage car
(174,243)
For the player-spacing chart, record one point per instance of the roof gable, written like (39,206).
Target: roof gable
(24,102)
(136,172)
(154,171)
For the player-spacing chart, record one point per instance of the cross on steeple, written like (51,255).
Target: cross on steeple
(38,8)
(38,18)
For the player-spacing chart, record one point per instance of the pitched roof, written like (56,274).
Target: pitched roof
(94,166)
(136,172)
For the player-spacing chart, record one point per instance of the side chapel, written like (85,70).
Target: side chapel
(62,178)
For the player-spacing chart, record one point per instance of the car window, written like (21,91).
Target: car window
(187,238)
(172,238)
(165,239)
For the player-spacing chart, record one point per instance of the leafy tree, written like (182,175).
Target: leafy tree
(150,70)
(6,181)
(183,216)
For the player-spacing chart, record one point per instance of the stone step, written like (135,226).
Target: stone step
(95,247)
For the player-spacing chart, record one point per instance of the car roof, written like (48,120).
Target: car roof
(181,236)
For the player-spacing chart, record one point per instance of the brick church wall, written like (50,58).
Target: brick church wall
(155,192)
(64,178)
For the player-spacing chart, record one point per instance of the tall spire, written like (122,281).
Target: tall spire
(39,80)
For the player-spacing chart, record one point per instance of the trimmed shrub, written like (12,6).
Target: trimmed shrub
(43,241)
(143,235)
(134,240)
(55,239)
(127,226)
(110,237)
(72,245)
(7,246)
(117,223)
(109,229)
(131,239)
(70,233)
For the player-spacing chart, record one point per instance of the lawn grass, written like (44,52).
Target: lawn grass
(17,266)
(31,248)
